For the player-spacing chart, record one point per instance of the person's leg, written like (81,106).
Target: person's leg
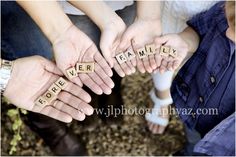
(21,38)
(159,118)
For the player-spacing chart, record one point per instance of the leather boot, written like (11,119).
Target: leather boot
(56,135)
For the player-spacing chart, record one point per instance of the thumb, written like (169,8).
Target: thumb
(107,54)
(125,41)
(51,67)
(161,40)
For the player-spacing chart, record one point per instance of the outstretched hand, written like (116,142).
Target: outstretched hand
(32,76)
(74,46)
(176,42)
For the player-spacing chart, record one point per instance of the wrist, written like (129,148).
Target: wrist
(57,28)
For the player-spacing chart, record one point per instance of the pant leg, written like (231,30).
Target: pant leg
(20,36)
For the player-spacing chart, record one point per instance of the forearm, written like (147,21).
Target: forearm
(191,38)
(149,10)
(48,16)
(99,12)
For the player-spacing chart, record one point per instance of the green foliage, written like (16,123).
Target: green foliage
(14,115)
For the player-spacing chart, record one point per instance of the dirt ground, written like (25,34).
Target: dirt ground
(129,138)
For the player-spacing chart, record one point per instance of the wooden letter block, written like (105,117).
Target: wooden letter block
(173,52)
(164,51)
(150,49)
(85,67)
(54,89)
(41,102)
(121,58)
(49,96)
(71,72)
(61,83)
(142,53)
(129,54)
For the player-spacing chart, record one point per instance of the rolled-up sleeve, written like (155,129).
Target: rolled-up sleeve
(220,140)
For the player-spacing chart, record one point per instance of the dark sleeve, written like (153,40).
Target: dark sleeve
(204,20)
(220,140)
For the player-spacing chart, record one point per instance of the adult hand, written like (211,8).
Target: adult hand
(31,77)
(74,46)
(110,39)
(176,42)
(140,33)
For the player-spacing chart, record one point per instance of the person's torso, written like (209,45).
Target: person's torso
(207,81)
(176,13)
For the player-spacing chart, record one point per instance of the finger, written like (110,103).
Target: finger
(161,40)
(75,103)
(126,68)
(51,67)
(152,62)
(118,69)
(133,60)
(158,59)
(90,84)
(78,92)
(147,65)
(176,64)
(126,39)
(76,80)
(102,74)
(101,61)
(163,65)
(132,68)
(94,76)
(161,129)
(74,113)
(56,114)
(140,65)
(170,65)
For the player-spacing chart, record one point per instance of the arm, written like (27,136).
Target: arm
(112,27)
(45,14)
(100,13)
(149,10)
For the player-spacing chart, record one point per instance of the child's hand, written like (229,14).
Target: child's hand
(140,33)
(176,42)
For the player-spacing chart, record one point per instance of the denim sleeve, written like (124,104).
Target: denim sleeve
(220,140)
(204,20)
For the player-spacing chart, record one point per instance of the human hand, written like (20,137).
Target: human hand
(177,43)
(110,39)
(74,46)
(31,77)
(140,33)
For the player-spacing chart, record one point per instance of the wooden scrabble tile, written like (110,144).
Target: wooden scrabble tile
(129,54)
(41,102)
(85,67)
(121,58)
(173,52)
(142,53)
(54,89)
(150,49)
(49,96)
(71,72)
(61,83)
(164,51)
